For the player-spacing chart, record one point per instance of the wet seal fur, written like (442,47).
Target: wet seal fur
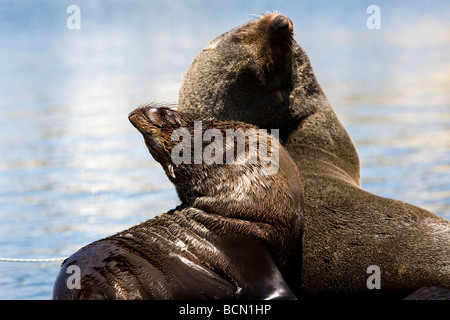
(258,74)
(235,236)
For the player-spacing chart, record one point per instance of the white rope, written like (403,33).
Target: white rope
(32,260)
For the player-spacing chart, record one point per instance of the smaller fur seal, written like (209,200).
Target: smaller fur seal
(236,234)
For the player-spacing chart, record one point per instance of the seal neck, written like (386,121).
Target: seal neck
(316,125)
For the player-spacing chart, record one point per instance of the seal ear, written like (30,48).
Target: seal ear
(171,171)
(211,46)
(279,95)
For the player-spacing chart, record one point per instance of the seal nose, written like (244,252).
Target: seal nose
(280,22)
(132,113)
(139,113)
(156,115)
(148,111)
(279,28)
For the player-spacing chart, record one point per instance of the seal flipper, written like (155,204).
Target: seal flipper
(253,269)
(429,293)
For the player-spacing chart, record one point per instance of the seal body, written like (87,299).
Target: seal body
(227,240)
(257,73)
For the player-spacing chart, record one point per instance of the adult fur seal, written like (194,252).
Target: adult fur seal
(235,236)
(257,73)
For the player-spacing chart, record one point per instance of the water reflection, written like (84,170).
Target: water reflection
(72,168)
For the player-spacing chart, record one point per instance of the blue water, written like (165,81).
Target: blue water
(73,169)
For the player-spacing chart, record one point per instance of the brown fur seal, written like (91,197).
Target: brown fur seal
(236,234)
(257,73)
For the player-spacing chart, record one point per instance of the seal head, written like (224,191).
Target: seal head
(247,66)
(241,190)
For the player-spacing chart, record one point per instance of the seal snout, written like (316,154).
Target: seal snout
(280,22)
(147,112)
(141,118)
(155,115)
(276,33)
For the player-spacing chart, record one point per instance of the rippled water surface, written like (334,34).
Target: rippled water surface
(73,169)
